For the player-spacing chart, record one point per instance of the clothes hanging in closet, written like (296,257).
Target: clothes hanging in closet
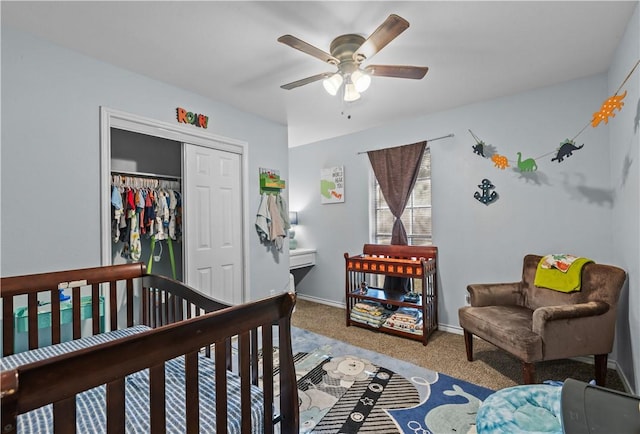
(144,208)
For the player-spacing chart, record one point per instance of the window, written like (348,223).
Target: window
(417,214)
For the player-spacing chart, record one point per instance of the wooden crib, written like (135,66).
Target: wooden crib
(142,338)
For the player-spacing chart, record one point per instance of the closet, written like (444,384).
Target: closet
(148,168)
(196,182)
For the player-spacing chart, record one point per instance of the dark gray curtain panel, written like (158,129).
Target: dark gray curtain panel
(396,170)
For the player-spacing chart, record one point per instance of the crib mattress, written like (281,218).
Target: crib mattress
(91,404)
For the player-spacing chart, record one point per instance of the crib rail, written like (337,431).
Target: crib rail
(165,301)
(40,383)
(40,292)
(142,298)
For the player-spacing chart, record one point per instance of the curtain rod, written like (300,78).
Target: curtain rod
(430,140)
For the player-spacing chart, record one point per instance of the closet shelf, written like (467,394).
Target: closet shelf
(146,175)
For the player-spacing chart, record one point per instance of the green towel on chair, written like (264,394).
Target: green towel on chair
(560,272)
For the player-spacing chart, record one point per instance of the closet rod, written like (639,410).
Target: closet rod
(146,175)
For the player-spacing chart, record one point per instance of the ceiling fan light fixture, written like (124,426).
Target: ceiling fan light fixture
(332,84)
(347,53)
(350,93)
(361,80)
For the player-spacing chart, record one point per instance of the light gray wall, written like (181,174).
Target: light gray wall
(563,207)
(624,139)
(51,154)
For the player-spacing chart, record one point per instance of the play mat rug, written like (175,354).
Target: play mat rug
(348,393)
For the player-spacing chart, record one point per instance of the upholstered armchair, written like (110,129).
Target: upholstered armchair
(536,324)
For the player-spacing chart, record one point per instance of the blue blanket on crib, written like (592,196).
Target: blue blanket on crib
(91,404)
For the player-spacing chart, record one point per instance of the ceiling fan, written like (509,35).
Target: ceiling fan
(348,52)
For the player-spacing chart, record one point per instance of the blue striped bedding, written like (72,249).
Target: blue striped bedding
(91,417)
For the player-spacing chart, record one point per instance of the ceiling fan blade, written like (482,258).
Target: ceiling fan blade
(307,48)
(387,32)
(399,71)
(307,80)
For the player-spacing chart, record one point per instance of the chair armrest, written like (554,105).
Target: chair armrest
(551,313)
(495,294)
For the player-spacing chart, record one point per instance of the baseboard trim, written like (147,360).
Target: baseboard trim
(450,329)
(321,300)
(625,381)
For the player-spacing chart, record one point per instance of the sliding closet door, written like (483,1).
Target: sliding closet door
(213,222)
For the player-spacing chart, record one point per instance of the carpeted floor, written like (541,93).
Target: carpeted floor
(444,353)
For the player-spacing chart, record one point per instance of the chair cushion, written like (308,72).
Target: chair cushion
(522,409)
(507,327)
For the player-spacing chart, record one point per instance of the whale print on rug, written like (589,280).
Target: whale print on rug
(451,406)
(348,394)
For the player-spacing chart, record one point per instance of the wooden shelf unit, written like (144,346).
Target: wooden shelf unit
(414,262)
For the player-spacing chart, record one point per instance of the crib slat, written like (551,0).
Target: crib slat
(267,373)
(32,321)
(254,357)
(152,304)
(244,354)
(190,306)
(181,303)
(192,392)
(165,305)
(288,389)
(145,305)
(154,307)
(160,307)
(172,307)
(95,308)
(115,406)
(229,355)
(55,316)
(129,303)
(8,327)
(221,386)
(157,394)
(113,304)
(76,318)
(64,416)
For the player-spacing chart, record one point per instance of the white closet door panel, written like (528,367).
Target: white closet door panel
(203,218)
(213,214)
(226,218)
(204,276)
(227,275)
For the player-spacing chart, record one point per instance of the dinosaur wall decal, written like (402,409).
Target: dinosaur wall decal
(566,150)
(500,161)
(479,149)
(528,165)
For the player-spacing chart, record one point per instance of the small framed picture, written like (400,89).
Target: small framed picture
(332,185)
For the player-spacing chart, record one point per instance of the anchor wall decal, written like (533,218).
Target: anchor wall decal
(487,196)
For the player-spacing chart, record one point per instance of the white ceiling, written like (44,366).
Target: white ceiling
(228,51)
